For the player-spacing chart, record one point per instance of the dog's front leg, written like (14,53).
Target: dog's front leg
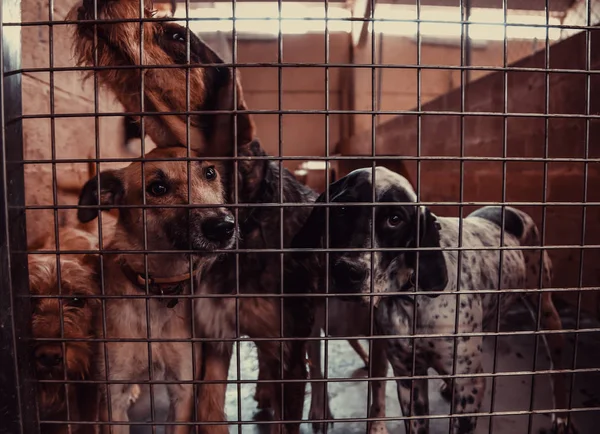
(119,396)
(468,391)
(379,368)
(211,396)
(181,395)
(319,401)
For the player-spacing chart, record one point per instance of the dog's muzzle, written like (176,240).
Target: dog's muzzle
(349,277)
(219,229)
(48,357)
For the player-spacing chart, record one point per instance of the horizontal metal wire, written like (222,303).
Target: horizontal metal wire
(304,205)
(465,158)
(329,338)
(508,374)
(318,112)
(316,250)
(100,21)
(145,296)
(351,419)
(289,65)
(330,294)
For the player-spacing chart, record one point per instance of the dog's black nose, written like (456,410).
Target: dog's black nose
(218,228)
(50,359)
(348,275)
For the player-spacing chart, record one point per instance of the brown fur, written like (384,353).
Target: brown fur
(119,45)
(167,229)
(77,277)
(212,87)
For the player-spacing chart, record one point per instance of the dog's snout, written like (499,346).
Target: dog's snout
(49,357)
(218,228)
(348,274)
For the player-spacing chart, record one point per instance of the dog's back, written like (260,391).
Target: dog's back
(521,226)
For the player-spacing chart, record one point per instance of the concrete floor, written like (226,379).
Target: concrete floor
(512,393)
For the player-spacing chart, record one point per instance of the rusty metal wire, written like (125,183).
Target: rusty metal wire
(565,220)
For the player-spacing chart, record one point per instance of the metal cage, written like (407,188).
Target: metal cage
(505,119)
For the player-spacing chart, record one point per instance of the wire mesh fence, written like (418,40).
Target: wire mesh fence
(296,217)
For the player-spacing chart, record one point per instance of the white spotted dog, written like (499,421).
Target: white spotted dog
(402,226)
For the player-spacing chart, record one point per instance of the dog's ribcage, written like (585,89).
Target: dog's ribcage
(480,271)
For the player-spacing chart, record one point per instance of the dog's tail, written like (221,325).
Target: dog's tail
(520,225)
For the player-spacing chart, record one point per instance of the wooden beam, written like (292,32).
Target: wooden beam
(360,29)
(533,5)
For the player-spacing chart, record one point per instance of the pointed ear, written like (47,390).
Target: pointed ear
(111,192)
(433,274)
(310,235)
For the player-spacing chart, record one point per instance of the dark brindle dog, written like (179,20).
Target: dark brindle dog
(211,88)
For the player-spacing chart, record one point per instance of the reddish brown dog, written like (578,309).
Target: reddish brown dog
(216,132)
(58,324)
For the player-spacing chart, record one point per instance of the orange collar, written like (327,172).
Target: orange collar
(162,286)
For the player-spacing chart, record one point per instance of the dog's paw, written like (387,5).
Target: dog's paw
(134,394)
(563,426)
(377,427)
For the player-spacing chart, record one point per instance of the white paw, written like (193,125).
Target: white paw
(134,393)
(378,427)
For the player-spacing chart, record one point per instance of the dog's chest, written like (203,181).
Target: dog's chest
(214,315)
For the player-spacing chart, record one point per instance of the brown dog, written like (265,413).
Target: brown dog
(166,316)
(59,322)
(266,317)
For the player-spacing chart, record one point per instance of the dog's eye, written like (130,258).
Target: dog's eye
(76,302)
(210,173)
(394,220)
(157,188)
(178,37)
(341,211)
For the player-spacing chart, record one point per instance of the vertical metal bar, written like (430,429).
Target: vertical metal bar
(543,226)
(63,344)
(504,164)
(463,4)
(100,237)
(588,55)
(373,192)
(280,186)
(236,211)
(418,210)
(189,197)
(327,181)
(148,299)
(18,402)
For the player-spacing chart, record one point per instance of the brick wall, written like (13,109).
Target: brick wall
(525,137)
(73,137)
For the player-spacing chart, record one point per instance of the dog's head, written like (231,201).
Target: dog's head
(212,86)
(399,225)
(73,320)
(171,219)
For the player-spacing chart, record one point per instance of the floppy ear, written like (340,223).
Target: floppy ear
(223,92)
(111,192)
(312,231)
(433,274)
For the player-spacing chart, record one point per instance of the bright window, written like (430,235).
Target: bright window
(262,19)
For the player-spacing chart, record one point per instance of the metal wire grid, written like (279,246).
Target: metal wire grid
(24,417)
